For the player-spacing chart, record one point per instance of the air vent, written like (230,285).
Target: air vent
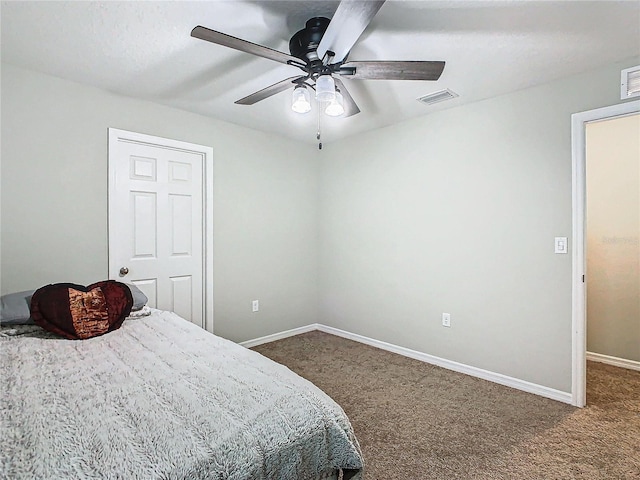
(630,83)
(437,97)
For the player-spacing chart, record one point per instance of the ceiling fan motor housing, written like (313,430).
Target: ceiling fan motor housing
(304,43)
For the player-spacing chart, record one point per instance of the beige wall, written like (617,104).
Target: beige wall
(54,200)
(613,237)
(457,212)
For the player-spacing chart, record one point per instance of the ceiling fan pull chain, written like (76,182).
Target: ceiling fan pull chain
(318,133)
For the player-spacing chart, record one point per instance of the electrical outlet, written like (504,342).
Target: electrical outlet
(446,319)
(255,305)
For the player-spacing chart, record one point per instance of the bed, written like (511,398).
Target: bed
(160,398)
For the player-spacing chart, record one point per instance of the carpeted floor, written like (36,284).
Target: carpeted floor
(416,421)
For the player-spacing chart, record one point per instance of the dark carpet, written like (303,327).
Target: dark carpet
(418,421)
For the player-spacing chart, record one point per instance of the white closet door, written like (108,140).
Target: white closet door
(156,221)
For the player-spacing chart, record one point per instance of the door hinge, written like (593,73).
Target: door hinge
(582,278)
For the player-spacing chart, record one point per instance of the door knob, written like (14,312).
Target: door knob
(123,271)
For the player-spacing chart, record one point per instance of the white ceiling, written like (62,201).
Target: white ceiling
(144,49)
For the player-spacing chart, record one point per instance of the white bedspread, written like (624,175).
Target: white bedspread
(162,398)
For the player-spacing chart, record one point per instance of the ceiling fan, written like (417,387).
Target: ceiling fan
(320,50)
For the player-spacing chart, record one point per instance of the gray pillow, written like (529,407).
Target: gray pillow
(139,298)
(15,308)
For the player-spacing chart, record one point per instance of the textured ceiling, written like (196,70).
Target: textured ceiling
(144,49)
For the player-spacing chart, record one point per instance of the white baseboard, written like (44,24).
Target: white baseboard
(279,336)
(499,378)
(615,361)
(455,366)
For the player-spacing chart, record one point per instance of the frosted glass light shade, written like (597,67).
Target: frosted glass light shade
(325,88)
(336,107)
(301,100)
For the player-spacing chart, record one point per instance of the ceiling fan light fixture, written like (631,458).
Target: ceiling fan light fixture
(301,100)
(325,88)
(320,50)
(336,107)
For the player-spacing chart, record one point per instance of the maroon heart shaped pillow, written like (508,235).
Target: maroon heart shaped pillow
(78,312)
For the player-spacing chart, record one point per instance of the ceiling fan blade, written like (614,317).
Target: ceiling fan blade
(204,33)
(349,104)
(346,26)
(393,70)
(268,91)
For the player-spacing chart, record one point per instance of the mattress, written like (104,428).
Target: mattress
(162,398)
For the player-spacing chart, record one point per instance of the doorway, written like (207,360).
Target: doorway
(579,316)
(613,241)
(160,222)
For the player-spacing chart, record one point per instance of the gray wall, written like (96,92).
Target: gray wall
(452,212)
(456,212)
(54,200)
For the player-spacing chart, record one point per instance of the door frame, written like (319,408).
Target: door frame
(579,265)
(115,135)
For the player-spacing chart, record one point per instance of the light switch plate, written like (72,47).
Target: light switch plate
(561,245)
